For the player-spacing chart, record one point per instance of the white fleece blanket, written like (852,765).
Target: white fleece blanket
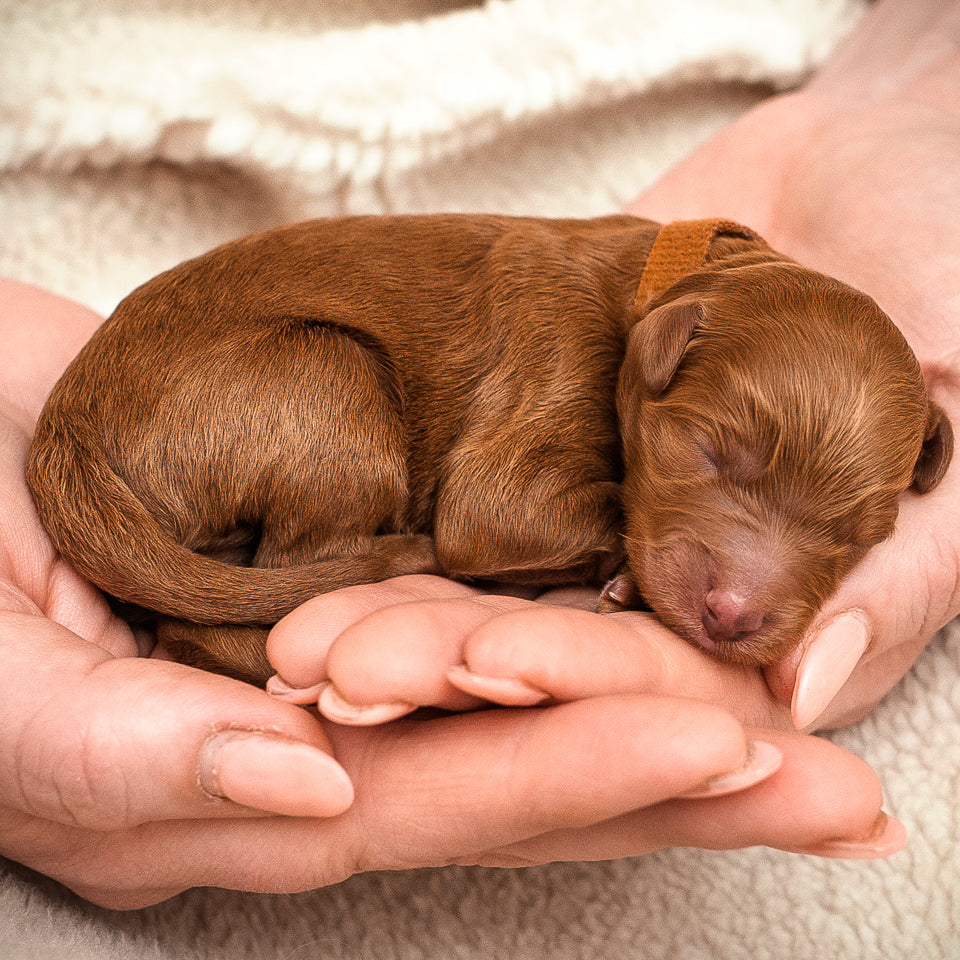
(135,133)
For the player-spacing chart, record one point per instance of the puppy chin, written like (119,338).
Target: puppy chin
(760,649)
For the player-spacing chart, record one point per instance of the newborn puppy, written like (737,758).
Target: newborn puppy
(682,413)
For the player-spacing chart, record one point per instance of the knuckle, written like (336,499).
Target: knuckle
(515,641)
(71,777)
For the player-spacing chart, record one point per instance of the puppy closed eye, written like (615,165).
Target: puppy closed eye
(732,459)
(706,459)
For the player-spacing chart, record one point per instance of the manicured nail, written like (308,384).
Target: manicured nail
(887,837)
(826,665)
(763,760)
(269,773)
(508,691)
(333,706)
(279,688)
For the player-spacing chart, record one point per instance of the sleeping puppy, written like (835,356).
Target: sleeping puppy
(681,414)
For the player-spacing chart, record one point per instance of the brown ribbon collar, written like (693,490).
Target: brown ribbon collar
(680,248)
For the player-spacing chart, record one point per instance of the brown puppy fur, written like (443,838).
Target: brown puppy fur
(337,402)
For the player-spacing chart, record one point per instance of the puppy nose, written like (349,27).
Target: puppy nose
(728,617)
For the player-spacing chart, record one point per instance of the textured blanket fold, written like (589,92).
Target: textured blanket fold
(135,133)
(137,84)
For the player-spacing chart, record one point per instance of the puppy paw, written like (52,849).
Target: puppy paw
(620,592)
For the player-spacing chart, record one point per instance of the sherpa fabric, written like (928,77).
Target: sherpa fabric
(136,133)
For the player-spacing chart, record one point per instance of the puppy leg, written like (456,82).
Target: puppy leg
(295,452)
(229,649)
(337,487)
(529,511)
(620,592)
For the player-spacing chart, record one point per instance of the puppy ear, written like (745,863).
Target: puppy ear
(936,451)
(659,340)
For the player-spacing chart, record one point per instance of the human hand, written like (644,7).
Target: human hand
(119,772)
(130,778)
(857,176)
(610,691)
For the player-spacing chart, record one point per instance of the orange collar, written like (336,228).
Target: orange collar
(680,248)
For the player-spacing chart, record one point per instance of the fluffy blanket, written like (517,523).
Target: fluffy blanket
(135,133)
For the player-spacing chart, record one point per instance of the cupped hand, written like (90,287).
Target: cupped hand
(129,778)
(600,699)
(857,176)
(103,750)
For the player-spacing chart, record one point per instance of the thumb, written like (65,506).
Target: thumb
(107,743)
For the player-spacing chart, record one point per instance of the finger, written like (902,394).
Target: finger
(505,788)
(298,645)
(566,654)
(458,785)
(108,743)
(822,800)
(39,580)
(821,666)
(398,658)
(504,775)
(44,332)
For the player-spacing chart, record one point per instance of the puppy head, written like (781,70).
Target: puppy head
(771,418)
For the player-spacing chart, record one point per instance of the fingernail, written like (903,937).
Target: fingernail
(888,836)
(333,706)
(279,688)
(269,773)
(826,665)
(763,759)
(508,691)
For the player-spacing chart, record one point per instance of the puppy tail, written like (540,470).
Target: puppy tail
(103,530)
